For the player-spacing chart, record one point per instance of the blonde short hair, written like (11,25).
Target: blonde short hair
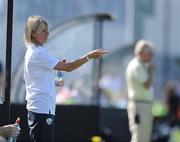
(143,46)
(34,24)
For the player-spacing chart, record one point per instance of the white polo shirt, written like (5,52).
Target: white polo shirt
(137,74)
(39,79)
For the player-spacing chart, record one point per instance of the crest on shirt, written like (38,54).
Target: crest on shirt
(49,121)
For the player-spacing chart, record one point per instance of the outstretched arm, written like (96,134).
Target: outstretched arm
(72,65)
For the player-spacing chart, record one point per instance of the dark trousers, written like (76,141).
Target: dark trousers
(41,127)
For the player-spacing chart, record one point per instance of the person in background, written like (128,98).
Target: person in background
(39,78)
(172,121)
(139,76)
(172,102)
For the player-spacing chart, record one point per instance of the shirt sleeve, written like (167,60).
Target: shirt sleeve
(46,60)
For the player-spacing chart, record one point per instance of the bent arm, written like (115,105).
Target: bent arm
(149,81)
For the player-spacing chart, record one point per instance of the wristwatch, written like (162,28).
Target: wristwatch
(87,58)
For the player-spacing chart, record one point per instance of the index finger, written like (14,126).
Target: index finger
(104,52)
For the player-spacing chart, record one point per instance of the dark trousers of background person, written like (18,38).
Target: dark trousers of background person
(41,127)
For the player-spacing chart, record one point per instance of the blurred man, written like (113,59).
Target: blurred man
(139,81)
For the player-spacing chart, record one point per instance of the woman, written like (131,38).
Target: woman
(39,78)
